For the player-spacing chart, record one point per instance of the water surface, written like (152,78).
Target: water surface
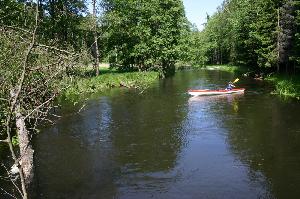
(164,144)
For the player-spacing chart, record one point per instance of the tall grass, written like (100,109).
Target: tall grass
(227,68)
(82,85)
(288,86)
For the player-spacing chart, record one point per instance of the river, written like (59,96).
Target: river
(162,143)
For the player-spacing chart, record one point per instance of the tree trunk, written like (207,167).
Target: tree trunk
(221,56)
(95,46)
(26,151)
(278,45)
(168,69)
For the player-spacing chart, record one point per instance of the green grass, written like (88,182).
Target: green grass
(228,68)
(84,83)
(288,86)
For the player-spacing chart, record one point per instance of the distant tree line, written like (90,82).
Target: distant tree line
(255,33)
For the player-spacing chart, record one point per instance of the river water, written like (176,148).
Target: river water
(162,143)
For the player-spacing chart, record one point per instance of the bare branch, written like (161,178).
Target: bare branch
(40,106)
(2,99)
(18,28)
(25,63)
(54,48)
(11,180)
(58,116)
(48,120)
(7,179)
(49,79)
(6,141)
(8,193)
(47,66)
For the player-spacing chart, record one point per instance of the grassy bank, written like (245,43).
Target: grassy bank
(85,84)
(228,68)
(286,85)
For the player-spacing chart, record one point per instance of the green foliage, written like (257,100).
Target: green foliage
(256,33)
(61,22)
(15,140)
(13,13)
(38,72)
(296,49)
(144,34)
(193,48)
(286,85)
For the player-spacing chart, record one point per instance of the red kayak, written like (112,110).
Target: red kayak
(215,92)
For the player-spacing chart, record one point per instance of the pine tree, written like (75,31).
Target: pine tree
(286,24)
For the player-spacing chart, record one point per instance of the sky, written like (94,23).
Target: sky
(196,10)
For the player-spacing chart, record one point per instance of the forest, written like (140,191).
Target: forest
(45,44)
(260,34)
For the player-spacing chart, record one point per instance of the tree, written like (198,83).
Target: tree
(193,47)
(286,26)
(31,73)
(295,52)
(259,33)
(95,44)
(61,20)
(144,34)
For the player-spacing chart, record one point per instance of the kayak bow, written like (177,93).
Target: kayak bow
(215,92)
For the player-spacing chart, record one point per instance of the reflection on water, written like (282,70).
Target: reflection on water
(165,144)
(269,143)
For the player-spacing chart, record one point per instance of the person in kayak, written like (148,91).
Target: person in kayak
(230,86)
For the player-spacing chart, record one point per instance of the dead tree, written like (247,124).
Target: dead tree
(29,84)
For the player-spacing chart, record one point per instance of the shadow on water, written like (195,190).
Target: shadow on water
(165,144)
(120,143)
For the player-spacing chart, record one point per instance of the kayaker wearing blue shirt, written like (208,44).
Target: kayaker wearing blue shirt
(230,86)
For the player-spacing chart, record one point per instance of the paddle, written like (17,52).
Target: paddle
(236,80)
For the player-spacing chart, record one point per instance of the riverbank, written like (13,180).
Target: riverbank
(288,86)
(228,68)
(84,83)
